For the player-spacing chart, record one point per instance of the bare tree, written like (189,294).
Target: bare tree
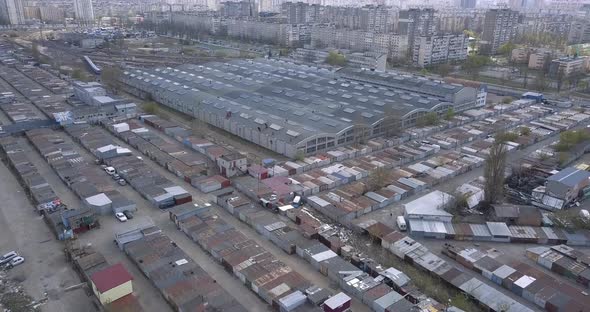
(494,173)
(378,179)
(110,77)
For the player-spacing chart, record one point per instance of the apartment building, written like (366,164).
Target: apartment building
(51,14)
(238,9)
(84,11)
(415,23)
(366,60)
(579,31)
(301,13)
(499,28)
(569,66)
(439,49)
(12,12)
(393,45)
(538,59)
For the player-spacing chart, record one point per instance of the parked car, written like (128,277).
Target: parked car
(116,177)
(16,261)
(122,182)
(120,216)
(128,214)
(7,257)
(110,170)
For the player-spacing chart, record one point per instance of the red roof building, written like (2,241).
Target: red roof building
(111,283)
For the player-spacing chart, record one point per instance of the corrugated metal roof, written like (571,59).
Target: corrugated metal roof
(498,229)
(504,271)
(480,230)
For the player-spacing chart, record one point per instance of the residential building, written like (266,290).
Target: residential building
(524,5)
(534,57)
(468,4)
(301,13)
(416,23)
(439,49)
(395,46)
(376,18)
(12,12)
(239,9)
(568,66)
(337,109)
(233,164)
(367,60)
(51,14)
(454,20)
(538,59)
(499,28)
(111,283)
(579,31)
(31,13)
(521,55)
(565,6)
(84,11)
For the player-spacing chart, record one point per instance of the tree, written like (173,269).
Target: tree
(151,107)
(541,83)
(378,178)
(79,74)
(110,77)
(336,59)
(525,131)
(424,71)
(507,100)
(560,79)
(36,52)
(443,69)
(449,114)
(525,71)
(570,138)
(474,64)
(300,156)
(503,137)
(506,49)
(428,119)
(494,167)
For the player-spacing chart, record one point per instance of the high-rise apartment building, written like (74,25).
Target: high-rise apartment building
(239,9)
(439,49)
(468,4)
(84,11)
(50,14)
(415,23)
(499,28)
(579,31)
(12,12)
(301,13)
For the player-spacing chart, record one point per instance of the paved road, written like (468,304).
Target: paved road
(46,271)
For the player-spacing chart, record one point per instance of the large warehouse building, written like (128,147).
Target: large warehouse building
(296,109)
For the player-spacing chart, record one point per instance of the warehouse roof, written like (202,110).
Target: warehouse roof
(403,81)
(570,176)
(281,99)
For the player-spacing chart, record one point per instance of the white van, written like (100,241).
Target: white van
(401,223)
(110,170)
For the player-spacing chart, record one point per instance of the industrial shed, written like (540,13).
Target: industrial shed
(290,108)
